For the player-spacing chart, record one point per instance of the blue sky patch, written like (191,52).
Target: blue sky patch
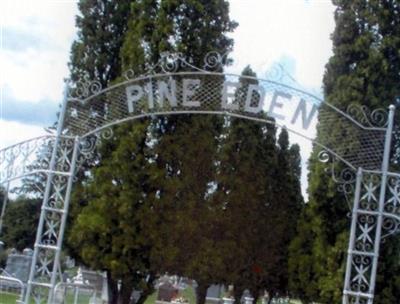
(42,113)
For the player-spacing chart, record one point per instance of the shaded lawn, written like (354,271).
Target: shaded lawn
(188,293)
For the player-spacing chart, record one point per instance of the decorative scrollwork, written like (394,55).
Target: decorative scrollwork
(129,74)
(23,158)
(362,114)
(275,73)
(391,222)
(324,156)
(357,300)
(344,177)
(88,146)
(85,88)
(170,62)
(214,60)
(390,226)
(105,134)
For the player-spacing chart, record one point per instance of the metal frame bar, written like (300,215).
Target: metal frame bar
(350,251)
(38,263)
(385,166)
(3,207)
(372,231)
(19,282)
(56,265)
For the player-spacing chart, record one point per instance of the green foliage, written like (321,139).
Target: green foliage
(101,28)
(258,192)
(179,194)
(183,147)
(364,69)
(192,27)
(115,222)
(20,223)
(107,231)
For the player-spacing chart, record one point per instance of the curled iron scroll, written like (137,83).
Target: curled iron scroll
(171,62)
(375,119)
(89,144)
(391,225)
(344,177)
(84,88)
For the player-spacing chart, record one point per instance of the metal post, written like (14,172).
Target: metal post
(3,208)
(354,219)
(76,295)
(385,166)
(52,165)
(56,264)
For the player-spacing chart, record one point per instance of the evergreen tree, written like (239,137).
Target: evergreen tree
(107,232)
(363,69)
(101,29)
(288,202)
(101,25)
(152,29)
(241,197)
(20,223)
(192,28)
(259,196)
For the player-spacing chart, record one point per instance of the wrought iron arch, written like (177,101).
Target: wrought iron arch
(174,86)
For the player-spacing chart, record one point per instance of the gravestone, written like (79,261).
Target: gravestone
(18,265)
(135,296)
(215,293)
(69,262)
(166,292)
(94,279)
(247,297)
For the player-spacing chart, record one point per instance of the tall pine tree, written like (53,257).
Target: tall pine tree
(101,30)
(364,69)
(155,26)
(95,57)
(192,28)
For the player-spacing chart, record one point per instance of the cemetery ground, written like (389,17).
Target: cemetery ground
(188,293)
(8,298)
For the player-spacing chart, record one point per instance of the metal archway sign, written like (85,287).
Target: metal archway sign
(361,142)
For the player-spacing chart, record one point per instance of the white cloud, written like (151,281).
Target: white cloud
(37,72)
(34,75)
(14,132)
(271,29)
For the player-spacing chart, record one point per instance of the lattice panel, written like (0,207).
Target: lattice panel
(358,138)
(53,214)
(363,246)
(391,220)
(28,157)
(370,223)
(352,135)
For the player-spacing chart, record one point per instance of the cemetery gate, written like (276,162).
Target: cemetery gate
(357,150)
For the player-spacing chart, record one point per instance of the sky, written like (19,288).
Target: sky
(36,36)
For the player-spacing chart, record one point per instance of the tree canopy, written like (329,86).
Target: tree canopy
(364,69)
(181,194)
(20,222)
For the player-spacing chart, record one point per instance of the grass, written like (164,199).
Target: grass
(188,293)
(8,298)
